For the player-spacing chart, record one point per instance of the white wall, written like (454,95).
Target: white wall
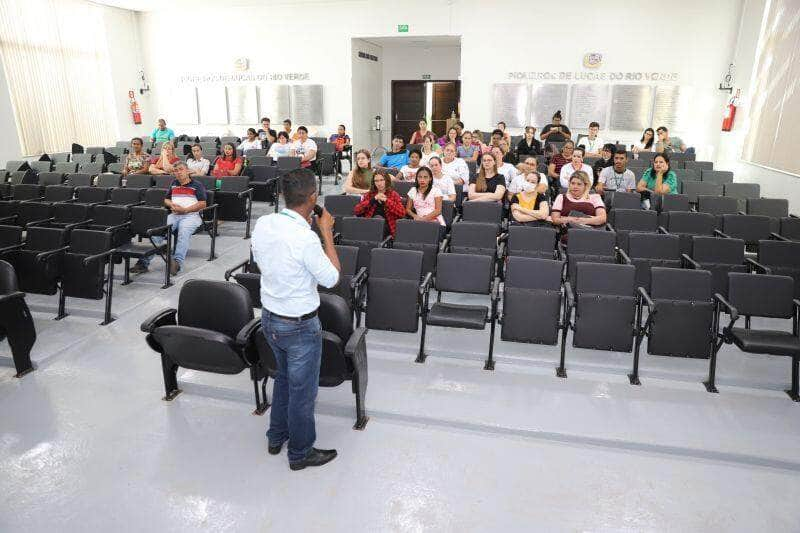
(10,148)
(366,101)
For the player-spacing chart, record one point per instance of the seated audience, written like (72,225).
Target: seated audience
(591,143)
(398,156)
(227,164)
(282,148)
(252,142)
(646,143)
(451,137)
(668,144)
(137,161)
(442,181)
(266,134)
(529,145)
(287,127)
(605,160)
(524,171)
(502,127)
(429,149)
(576,165)
(359,179)
(506,170)
(381,200)
(408,171)
(304,148)
(425,200)
(341,144)
(489,185)
(423,131)
(577,205)
(508,154)
(529,205)
(185,198)
(558,161)
(616,177)
(556,131)
(659,178)
(162,133)
(453,167)
(468,149)
(165,162)
(197,164)
(494,139)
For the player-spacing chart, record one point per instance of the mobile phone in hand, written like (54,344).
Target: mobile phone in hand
(318,210)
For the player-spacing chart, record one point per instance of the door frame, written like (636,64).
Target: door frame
(391,99)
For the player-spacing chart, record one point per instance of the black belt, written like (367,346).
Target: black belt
(306,316)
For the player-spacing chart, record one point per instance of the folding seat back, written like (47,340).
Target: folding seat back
(628,220)
(234,200)
(587,245)
(23,177)
(79,180)
(112,218)
(60,157)
(287,163)
(109,180)
(95,150)
(664,203)
(647,250)
(532,299)
(488,212)
(474,238)
(693,189)
(340,206)
(10,236)
(721,177)
(65,167)
(81,280)
(742,192)
(364,233)
(59,193)
(229,139)
(125,145)
(117,154)
(259,152)
(699,165)
(65,213)
(682,324)
(783,258)
(717,206)
(125,196)
(763,295)
(209,182)
(604,307)
(16,323)
(719,256)
(91,195)
(138,181)
(774,208)
(27,191)
(257,160)
(402,188)
(464,273)
(689,224)
(209,149)
(33,212)
(682,156)
(532,241)
(418,235)
(144,218)
(393,289)
(154,197)
(51,178)
(163,181)
(790,228)
(14,166)
(35,276)
(91,168)
(41,166)
(749,228)
(209,139)
(116,168)
(448,212)
(684,175)
(345,287)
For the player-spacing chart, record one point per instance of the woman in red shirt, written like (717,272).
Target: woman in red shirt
(228,164)
(163,164)
(558,161)
(381,200)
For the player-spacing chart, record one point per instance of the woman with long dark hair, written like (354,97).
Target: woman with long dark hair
(647,142)
(425,200)
(227,164)
(489,185)
(381,201)
(659,178)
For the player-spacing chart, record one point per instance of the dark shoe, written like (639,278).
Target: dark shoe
(174,267)
(139,268)
(314,458)
(274,450)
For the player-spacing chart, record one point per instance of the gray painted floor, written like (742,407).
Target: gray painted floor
(86,444)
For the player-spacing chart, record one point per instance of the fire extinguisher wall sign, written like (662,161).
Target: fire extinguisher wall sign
(730,112)
(135,111)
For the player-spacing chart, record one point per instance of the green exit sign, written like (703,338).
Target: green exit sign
(402,28)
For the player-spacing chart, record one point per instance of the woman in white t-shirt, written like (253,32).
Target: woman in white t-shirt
(252,142)
(453,167)
(647,143)
(407,172)
(281,148)
(198,165)
(425,200)
(576,165)
(443,183)
(429,149)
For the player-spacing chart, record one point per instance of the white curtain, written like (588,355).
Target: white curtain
(56,62)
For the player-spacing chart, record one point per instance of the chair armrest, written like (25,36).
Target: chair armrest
(728,307)
(688,261)
(112,229)
(230,271)
(359,279)
(78,224)
(212,207)
(39,199)
(718,233)
(609,227)
(245,193)
(337,237)
(9,218)
(561,250)
(355,339)
(165,317)
(104,202)
(445,247)
(166,228)
(12,247)
(625,259)
(385,242)
(569,294)
(496,290)
(755,266)
(646,299)
(34,223)
(45,255)
(775,236)
(501,250)
(245,335)
(107,253)
(425,286)
(503,237)
(11,296)
(663,230)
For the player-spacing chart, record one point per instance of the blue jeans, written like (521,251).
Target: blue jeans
(298,352)
(184,226)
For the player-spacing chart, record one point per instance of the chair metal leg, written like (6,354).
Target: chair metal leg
(22,362)
(422,355)
(107,318)
(793,392)
(249,216)
(127,276)
(170,371)
(361,412)
(712,372)
(633,377)
(262,403)
(213,234)
(489,365)
(62,304)
(747,322)
(167,261)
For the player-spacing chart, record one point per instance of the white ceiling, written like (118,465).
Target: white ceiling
(415,40)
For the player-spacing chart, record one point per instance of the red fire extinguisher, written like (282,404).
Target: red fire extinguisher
(730,112)
(137,114)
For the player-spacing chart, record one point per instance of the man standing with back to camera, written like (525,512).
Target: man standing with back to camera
(292,264)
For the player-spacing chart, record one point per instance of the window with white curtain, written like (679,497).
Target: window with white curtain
(55,57)
(774,118)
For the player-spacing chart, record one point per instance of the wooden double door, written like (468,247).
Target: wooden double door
(410,104)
